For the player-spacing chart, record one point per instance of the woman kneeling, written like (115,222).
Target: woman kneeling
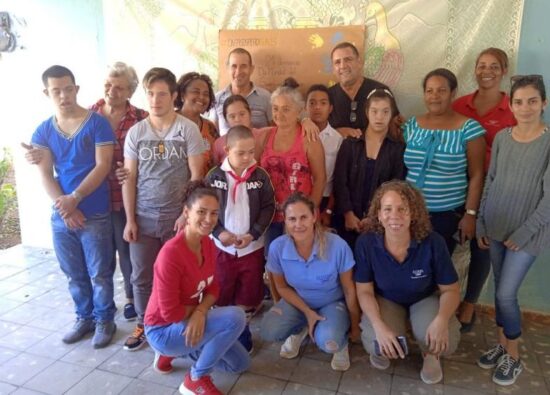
(179,321)
(404,270)
(312,270)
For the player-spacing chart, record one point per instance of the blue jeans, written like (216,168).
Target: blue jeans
(509,268)
(218,347)
(85,256)
(478,271)
(330,335)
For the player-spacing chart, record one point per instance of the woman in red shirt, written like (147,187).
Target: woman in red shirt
(178,320)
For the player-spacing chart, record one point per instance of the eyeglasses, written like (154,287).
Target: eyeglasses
(352,114)
(526,78)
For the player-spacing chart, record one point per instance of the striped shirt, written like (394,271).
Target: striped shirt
(437,164)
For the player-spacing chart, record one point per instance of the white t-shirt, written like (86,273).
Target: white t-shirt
(331,141)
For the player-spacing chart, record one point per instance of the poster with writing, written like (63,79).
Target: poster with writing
(277,54)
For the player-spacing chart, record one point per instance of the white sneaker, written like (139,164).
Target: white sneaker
(291,347)
(431,372)
(340,360)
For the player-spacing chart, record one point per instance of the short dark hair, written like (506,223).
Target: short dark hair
(342,45)
(194,190)
(534,80)
(234,99)
(160,74)
(394,132)
(319,88)
(56,71)
(442,72)
(184,82)
(241,51)
(237,133)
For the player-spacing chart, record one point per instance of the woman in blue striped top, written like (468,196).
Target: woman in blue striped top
(445,156)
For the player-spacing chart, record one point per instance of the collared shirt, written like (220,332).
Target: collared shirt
(132,116)
(496,119)
(316,279)
(259,100)
(331,141)
(427,265)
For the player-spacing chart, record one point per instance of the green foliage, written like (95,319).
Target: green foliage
(7,191)
(5,163)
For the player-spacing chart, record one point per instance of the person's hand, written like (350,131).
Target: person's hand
(467,226)
(180,223)
(121,173)
(130,231)
(310,130)
(363,224)
(511,245)
(326,219)
(350,132)
(33,155)
(194,331)
(227,238)
(243,241)
(399,120)
(352,222)
(65,205)
(76,220)
(312,318)
(483,242)
(437,336)
(355,334)
(388,343)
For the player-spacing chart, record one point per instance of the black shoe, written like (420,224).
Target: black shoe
(466,327)
(129,312)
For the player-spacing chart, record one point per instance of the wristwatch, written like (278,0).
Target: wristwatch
(471,212)
(76,195)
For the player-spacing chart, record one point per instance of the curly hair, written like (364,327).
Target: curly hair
(184,82)
(420,219)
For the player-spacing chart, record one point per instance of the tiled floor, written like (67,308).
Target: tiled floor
(35,309)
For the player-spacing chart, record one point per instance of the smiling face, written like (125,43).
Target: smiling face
(438,95)
(489,72)
(299,222)
(394,214)
(62,91)
(240,69)
(285,111)
(346,66)
(196,98)
(318,107)
(379,114)
(117,91)
(237,114)
(202,215)
(527,105)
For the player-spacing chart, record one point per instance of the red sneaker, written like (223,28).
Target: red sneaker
(162,364)
(203,386)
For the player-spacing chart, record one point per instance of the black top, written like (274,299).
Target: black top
(367,183)
(342,105)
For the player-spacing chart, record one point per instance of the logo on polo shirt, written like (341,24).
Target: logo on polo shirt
(418,273)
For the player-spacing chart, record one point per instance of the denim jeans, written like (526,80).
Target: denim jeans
(509,268)
(478,271)
(330,335)
(118,219)
(218,347)
(85,256)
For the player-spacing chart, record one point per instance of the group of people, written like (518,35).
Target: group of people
(197,209)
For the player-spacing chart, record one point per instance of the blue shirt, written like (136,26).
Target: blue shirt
(74,157)
(427,264)
(316,280)
(437,163)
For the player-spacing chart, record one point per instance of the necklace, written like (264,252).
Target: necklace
(161,134)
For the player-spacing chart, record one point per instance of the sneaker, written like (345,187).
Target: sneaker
(104,332)
(490,358)
(246,339)
(202,386)
(129,312)
(136,340)
(291,347)
(162,364)
(507,371)
(80,329)
(431,372)
(379,361)
(340,360)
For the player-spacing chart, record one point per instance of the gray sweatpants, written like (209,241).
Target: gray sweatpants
(152,234)
(421,315)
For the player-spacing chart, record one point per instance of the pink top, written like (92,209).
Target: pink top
(289,171)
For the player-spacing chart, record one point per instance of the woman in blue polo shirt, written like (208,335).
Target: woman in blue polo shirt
(405,271)
(312,270)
